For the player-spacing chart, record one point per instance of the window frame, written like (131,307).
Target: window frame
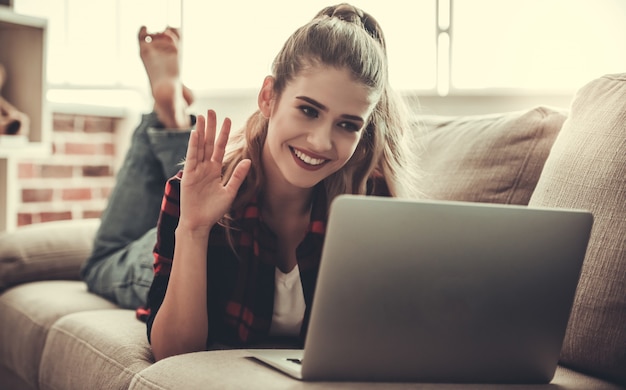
(443,84)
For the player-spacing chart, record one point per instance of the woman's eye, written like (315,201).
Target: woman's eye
(350,126)
(309,111)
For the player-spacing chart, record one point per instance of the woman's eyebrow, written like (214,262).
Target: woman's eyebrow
(325,109)
(313,102)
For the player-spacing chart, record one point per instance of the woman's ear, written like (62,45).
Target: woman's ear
(266,97)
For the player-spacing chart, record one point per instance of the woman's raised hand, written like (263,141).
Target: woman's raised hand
(204,199)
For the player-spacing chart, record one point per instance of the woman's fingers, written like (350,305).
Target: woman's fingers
(203,145)
(222,141)
(215,145)
(211,125)
(191,158)
(238,176)
(201,134)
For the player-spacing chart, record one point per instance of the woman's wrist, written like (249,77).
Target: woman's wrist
(193,231)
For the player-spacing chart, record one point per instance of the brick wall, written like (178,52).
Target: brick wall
(76,180)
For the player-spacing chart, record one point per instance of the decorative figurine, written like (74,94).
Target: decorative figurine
(12,120)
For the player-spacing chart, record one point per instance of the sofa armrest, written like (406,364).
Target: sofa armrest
(45,251)
(586,170)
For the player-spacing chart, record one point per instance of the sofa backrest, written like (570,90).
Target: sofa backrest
(586,169)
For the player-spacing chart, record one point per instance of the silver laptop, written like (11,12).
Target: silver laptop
(439,291)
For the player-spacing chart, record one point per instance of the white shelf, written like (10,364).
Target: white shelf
(23,54)
(19,146)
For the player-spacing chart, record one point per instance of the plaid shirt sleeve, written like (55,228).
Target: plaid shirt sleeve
(163,249)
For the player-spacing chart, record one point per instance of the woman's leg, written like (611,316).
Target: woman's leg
(120,266)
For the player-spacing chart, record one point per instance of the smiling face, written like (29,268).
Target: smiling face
(314,127)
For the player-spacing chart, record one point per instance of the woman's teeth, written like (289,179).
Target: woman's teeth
(308,159)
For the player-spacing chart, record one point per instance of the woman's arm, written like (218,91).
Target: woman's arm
(181,323)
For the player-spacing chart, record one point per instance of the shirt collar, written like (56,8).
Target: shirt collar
(319,211)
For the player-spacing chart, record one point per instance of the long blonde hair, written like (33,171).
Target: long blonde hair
(343,37)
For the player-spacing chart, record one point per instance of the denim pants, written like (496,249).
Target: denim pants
(120,265)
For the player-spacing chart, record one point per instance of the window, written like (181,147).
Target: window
(449,46)
(536,44)
(232,44)
(93,43)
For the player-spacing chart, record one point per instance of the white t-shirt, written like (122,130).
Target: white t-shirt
(289,304)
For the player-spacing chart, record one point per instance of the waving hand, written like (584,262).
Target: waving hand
(204,198)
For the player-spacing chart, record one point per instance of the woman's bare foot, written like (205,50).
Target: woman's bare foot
(160,55)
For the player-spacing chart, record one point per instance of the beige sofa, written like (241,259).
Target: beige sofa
(56,335)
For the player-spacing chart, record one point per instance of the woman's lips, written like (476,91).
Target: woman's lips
(307,161)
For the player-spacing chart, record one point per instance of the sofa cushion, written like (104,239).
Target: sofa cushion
(45,251)
(235,369)
(28,311)
(100,349)
(587,170)
(494,158)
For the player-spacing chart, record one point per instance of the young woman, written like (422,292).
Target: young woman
(242,225)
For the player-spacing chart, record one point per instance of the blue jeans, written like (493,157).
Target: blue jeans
(120,265)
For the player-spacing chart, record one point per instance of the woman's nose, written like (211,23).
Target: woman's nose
(320,138)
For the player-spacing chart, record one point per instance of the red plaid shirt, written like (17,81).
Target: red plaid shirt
(240,286)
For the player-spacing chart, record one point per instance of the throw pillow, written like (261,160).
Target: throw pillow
(494,158)
(45,251)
